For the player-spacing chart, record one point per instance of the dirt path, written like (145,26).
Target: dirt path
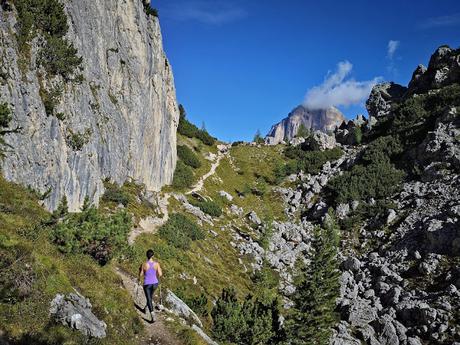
(222,152)
(156,333)
(152,224)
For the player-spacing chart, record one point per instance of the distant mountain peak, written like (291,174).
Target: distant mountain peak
(320,119)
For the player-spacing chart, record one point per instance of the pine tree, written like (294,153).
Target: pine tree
(258,137)
(313,316)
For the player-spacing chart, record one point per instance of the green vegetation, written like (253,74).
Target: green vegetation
(77,140)
(358,135)
(185,154)
(91,232)
(258,138)
(303,132)
(253,321)
(47,18)
(179,231)
(113,193)
(310,162)
(131,195)
(375,177)
(5,118)
(149,10)
(33,271)
(208,207)
(183,176)
(188,129)
(311,319)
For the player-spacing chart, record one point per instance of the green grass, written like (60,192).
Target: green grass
(27,320)
(251,170)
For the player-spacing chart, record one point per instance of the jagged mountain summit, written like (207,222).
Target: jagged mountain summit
(113,117)
(319,119)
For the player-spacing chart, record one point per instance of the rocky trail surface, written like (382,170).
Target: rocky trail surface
(152,224)
(157,333)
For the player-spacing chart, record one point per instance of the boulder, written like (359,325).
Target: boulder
(226,195)
(254,218)
(75,311)
(321,141)
(178,307)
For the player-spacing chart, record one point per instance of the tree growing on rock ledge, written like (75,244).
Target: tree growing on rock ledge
(312,317)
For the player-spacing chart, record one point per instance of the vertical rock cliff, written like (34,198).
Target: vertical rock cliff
(118,122)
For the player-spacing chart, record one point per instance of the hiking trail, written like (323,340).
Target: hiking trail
(152,224)
(157,333)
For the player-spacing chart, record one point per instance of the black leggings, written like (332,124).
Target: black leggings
(149,290)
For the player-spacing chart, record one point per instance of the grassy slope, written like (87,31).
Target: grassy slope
(212,261)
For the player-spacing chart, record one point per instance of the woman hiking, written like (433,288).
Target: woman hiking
(151,271)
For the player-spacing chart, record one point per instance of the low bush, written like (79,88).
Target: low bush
(179,231)
(208,207)
(188,156)
(183,176)
(91,232)
(47,17)
(5,118)
(198,303)
(310,162)
(113,193)
(375,177)
(253,321)
(188,129)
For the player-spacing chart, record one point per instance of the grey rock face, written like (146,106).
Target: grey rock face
(178,307)
(75,311)
(126,106)
(443,69)
(382,97)
(323,120)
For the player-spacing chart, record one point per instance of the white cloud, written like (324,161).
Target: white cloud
(337,90)
(441,21)
(392,46)
(207,12)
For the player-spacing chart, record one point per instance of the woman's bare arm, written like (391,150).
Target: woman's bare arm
(160,272)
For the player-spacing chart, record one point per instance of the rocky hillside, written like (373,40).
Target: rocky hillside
(93,94)
(320,119)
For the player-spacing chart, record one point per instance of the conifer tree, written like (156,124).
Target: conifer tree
(313,316)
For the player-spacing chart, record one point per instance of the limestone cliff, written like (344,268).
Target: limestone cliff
(123,112)
(321,119)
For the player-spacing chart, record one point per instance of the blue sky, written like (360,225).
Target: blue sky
(241,65)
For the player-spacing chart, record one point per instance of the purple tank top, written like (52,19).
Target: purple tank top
(151,274)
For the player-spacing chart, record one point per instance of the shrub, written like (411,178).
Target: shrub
(188,129)
(199,304)
(149,10)
(208,207)
(377,180)
(59,57)
(91,232)
(252,322)
(5,118)
(309,162)
(113,193)
(188,156)
(77,140)
(179,231)
(183,176)
(47,17)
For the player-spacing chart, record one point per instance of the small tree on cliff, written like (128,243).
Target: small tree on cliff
(313,316)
